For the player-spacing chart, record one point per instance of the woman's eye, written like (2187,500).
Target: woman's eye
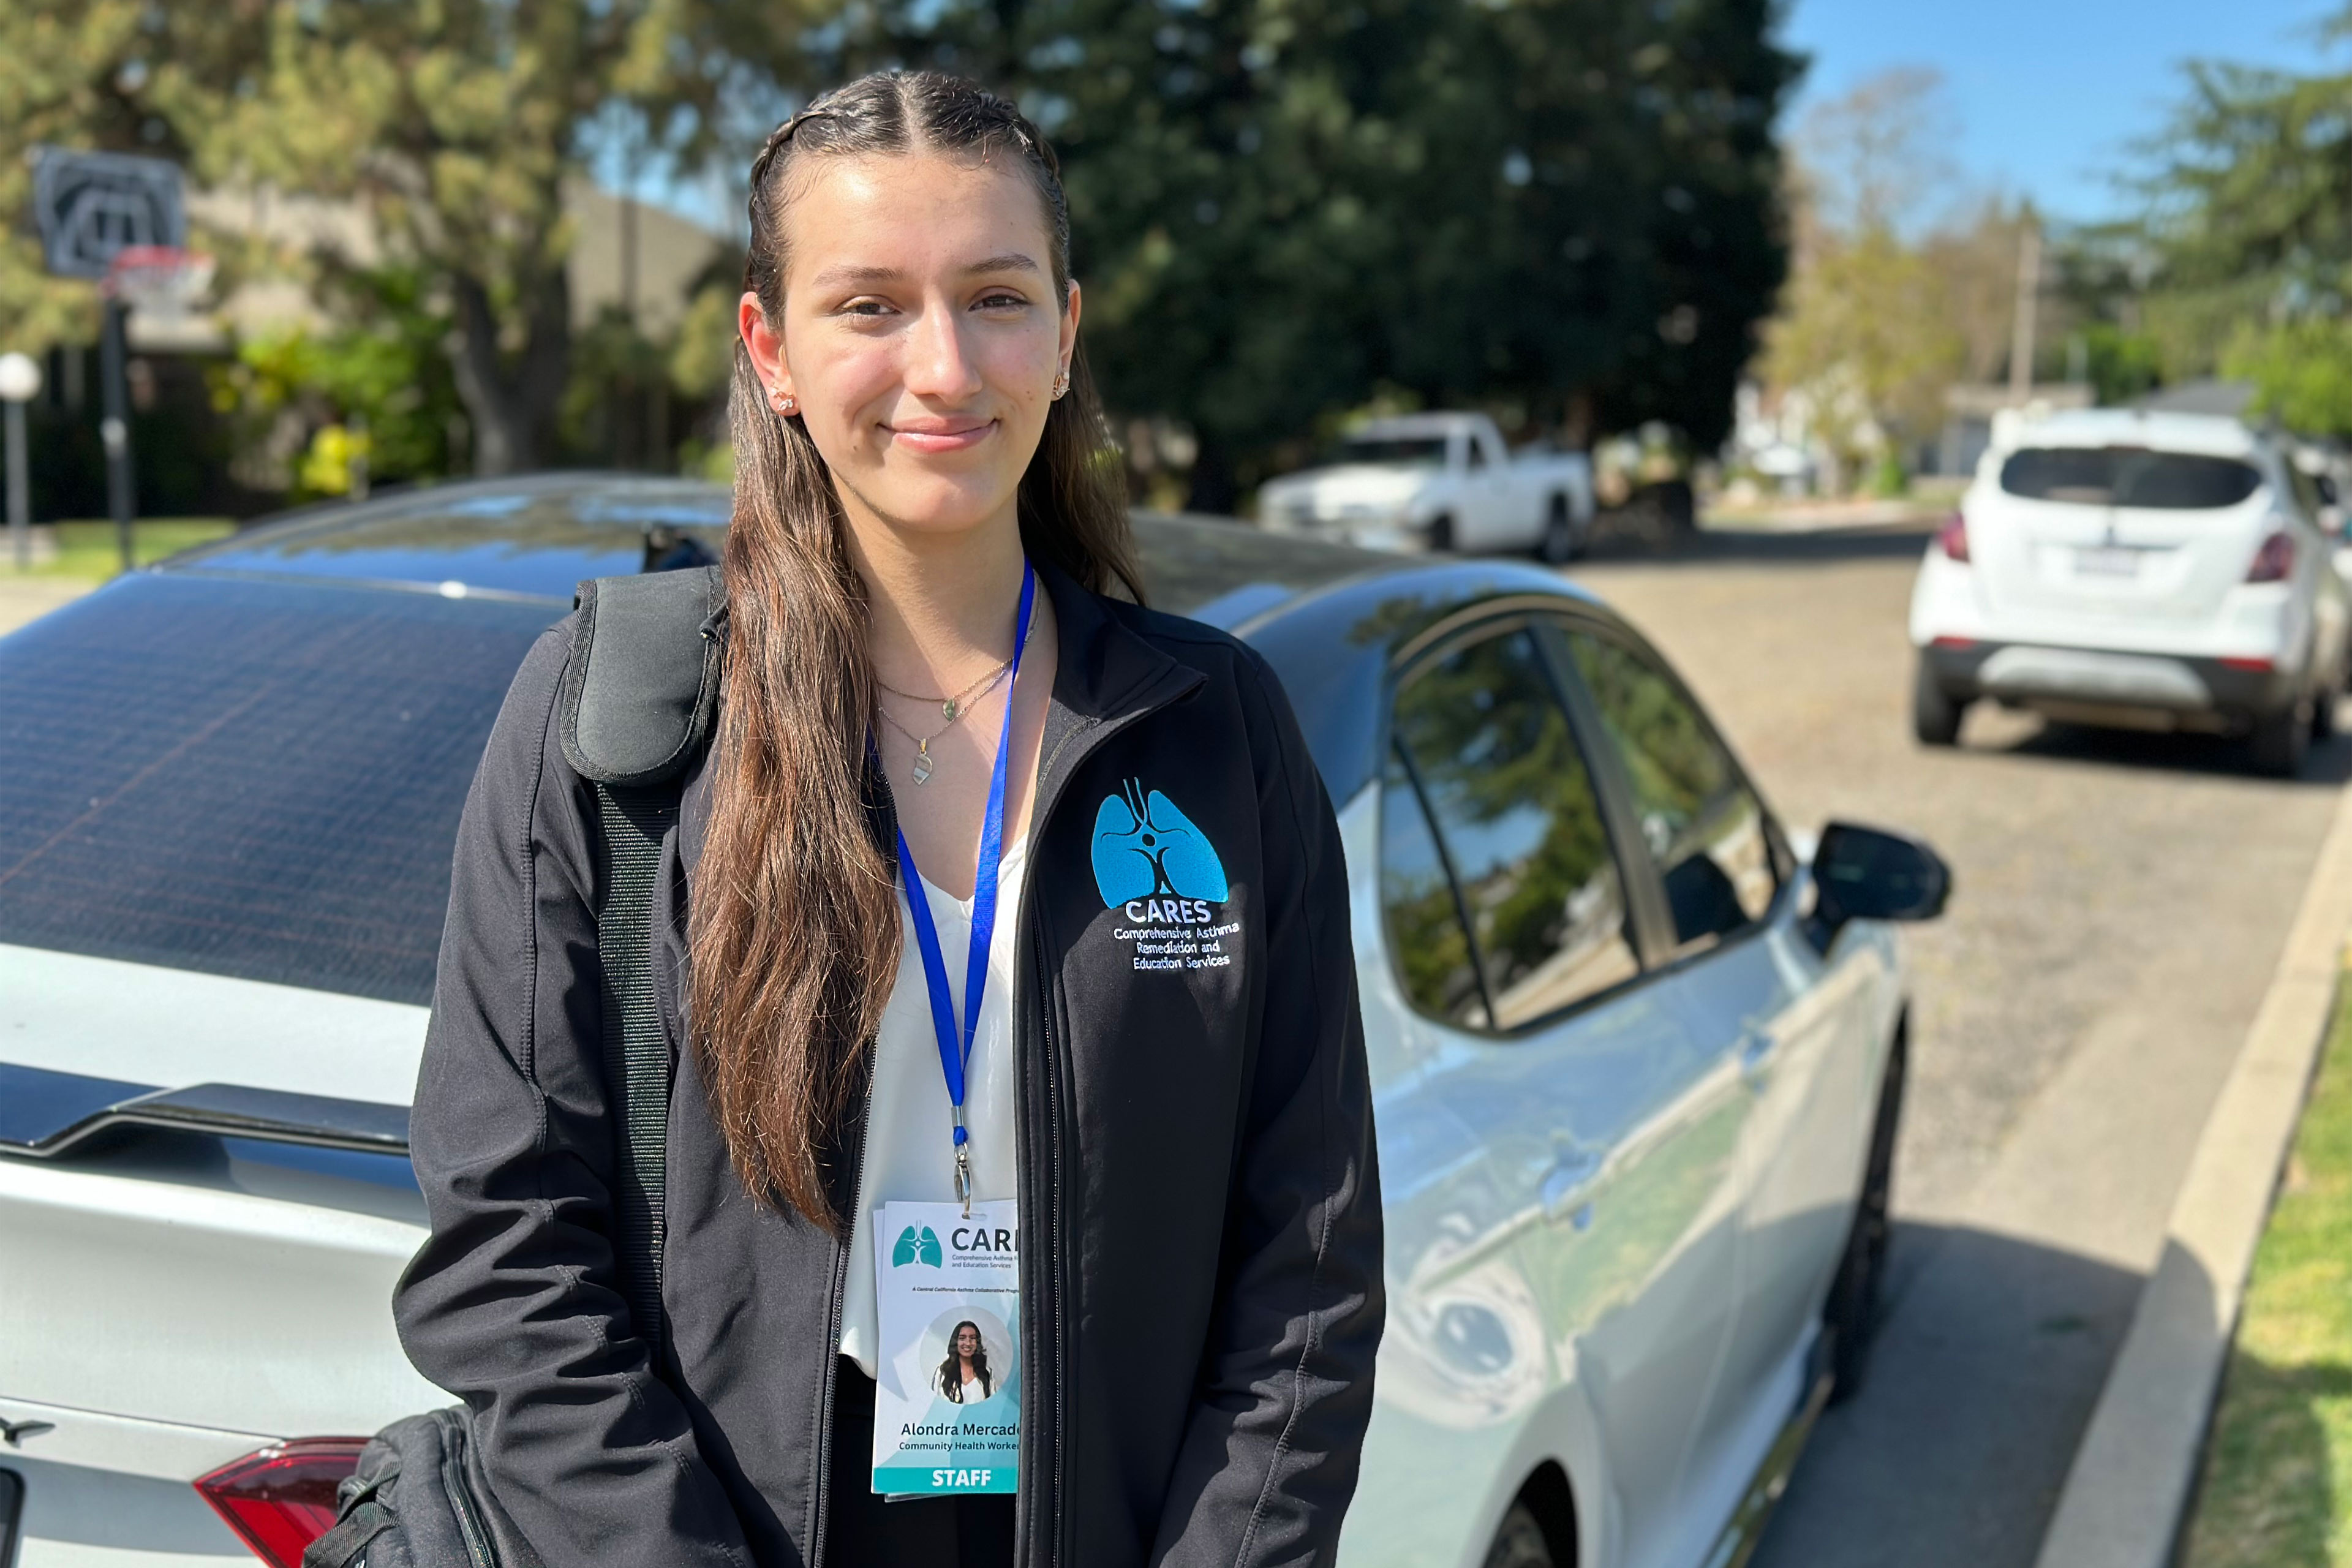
(1002,301)
(865,308)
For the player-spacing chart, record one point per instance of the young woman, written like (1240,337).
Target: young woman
(963,1377)
(994,892)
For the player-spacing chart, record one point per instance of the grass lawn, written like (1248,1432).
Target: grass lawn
(2278,1478)
(87,550)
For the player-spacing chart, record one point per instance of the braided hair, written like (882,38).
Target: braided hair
(794,930)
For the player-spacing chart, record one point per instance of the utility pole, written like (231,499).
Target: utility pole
(2028,302)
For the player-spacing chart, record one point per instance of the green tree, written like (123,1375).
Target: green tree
(456,126)
(461,123)
(2246,240)
(1563,210)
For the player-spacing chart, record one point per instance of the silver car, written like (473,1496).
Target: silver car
(1637,1062)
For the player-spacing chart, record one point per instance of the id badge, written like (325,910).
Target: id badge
(947,1384)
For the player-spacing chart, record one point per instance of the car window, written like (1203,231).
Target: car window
(1514,809)
(1474,453)
(260,780)
(1701,823)
(2128,476)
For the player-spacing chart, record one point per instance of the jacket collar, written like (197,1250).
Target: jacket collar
(1105,675)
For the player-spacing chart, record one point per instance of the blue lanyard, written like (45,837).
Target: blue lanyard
(955,1047)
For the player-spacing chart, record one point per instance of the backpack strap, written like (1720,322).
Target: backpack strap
(635,710)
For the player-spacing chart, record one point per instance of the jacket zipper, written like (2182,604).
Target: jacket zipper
(1055,1516)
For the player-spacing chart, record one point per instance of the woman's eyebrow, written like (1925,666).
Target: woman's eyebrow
(839,276)
(1012,261)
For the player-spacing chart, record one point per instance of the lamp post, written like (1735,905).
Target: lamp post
(20,383)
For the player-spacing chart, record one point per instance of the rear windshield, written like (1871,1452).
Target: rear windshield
(2128,476)
(252,779)
(1395,451)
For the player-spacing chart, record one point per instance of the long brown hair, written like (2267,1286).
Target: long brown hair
(795,927)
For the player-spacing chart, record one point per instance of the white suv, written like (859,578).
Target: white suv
(2111,566)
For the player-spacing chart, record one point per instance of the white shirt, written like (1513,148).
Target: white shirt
(910,1128)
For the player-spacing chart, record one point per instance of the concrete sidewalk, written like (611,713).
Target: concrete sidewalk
(2128,1490)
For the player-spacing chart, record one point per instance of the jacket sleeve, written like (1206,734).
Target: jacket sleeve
(1269,1463)
(513,1302)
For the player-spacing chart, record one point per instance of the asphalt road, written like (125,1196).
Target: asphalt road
(2121,900)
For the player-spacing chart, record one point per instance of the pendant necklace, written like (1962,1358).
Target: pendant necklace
(952,709)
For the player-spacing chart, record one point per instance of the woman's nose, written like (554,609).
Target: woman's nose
(938,363)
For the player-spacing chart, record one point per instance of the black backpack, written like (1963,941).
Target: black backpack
(634,711)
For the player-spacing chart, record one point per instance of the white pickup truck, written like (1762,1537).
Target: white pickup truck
(1436,482)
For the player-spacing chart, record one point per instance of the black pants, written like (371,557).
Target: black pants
(925,1533)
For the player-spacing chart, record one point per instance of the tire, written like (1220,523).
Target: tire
(1520,1542)
(2322,713)
(1557,545)
(1850,1316)
(2280,742)
(1935,713)
(1441,534)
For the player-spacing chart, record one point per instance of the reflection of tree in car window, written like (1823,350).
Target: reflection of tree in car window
(1513,802)
(1702,824)
(1425,932)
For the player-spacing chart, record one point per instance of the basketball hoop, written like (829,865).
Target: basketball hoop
(162,282)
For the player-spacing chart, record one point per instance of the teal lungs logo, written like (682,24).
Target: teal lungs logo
(916,1246)
(1145,847)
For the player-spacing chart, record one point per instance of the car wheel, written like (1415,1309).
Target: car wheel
(1935,713)
(1520,1542)
(1557,545)
(2322,713)
(1440,532)
(2280,742)
(1850,1316)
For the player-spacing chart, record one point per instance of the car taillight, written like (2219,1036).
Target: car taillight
(2275,562)
(1952,538)
(281,1499)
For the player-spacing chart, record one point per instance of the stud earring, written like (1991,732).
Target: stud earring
(782,402)
(1061,382)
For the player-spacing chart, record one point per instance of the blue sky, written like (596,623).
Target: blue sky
(2047,96)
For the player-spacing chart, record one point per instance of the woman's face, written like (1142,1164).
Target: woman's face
(921,334)
(966,1342)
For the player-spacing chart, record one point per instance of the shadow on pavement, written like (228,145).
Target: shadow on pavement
(2329,766)
(1989,1358)
(1713,546)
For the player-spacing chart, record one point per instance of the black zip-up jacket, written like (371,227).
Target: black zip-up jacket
(1200,1278)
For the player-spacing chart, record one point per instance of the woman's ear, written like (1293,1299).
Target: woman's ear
(1070,327)
(765,345)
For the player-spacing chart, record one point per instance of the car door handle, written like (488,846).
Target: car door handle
(1566,1187)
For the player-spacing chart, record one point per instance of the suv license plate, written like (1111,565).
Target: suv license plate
(2107,563)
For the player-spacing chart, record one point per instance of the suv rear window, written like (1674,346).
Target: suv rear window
(253,779)
(2128,476)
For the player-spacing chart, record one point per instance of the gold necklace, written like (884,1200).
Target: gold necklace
(952,708)
(922,768)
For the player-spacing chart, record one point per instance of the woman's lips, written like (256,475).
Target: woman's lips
(949,437)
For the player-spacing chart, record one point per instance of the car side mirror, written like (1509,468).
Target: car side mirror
(1863,874)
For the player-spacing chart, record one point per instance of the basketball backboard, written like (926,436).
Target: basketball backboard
(91,206)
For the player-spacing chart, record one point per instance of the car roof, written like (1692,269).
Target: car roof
(1330,620)
(2208,435)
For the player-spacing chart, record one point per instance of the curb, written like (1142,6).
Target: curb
(2128,1489)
